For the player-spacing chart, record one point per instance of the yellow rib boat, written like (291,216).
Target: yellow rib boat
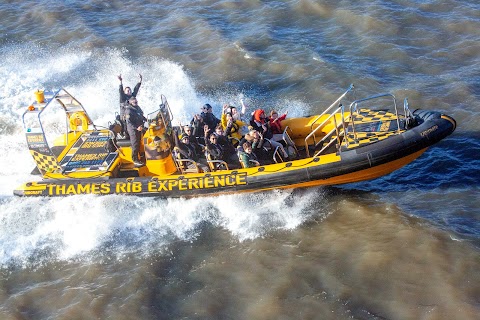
(348,142)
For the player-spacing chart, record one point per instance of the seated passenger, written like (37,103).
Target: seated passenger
(241,127)
(247,157)
(276,127)
(237,115)
(258,122)
(187,150)
(233,110)
(188,130)
(197,125)
(231,126)
(213,147)
(275,124)
(208,117)
(229,154)
(256,141)
(261,124)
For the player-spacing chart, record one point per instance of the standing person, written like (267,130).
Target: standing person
(125,94)
(135,120)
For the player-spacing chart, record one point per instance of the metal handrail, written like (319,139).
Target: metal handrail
(276,154)
(165,105)
(406,108)
(346,120)
(356,102)
(320,127)
(57,97)
(313,131)
(182,164)
(409,118)
(330,143)
(288,140)
(212,163)
(333,104)
(220,163)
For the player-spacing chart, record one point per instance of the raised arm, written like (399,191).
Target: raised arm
(120,89)
(137,86)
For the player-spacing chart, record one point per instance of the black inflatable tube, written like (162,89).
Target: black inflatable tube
(433,127)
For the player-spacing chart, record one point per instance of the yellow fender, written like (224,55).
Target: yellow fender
(78,121)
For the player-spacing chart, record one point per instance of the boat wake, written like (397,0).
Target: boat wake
(34,231)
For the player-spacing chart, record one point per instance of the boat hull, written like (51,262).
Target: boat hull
(366,162)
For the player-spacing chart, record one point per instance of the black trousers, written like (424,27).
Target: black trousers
(135,137)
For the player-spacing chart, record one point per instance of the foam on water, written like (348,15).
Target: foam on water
(376,255)
(34,231)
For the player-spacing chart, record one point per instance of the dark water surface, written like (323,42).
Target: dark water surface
(405,246)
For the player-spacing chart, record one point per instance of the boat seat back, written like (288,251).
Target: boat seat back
(289,143)
(185,165)
(215,165)
(255,162)
(277,157)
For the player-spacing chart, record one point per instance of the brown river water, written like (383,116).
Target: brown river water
(405,246)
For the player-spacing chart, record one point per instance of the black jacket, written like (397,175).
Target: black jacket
(187,151)
(210,120)
(124,97)
(227,146)
(214,149)
(198,131)
(263,129)
(134,116)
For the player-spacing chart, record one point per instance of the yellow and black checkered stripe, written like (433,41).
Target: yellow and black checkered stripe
(364,138)
(366,115)
(45,163)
